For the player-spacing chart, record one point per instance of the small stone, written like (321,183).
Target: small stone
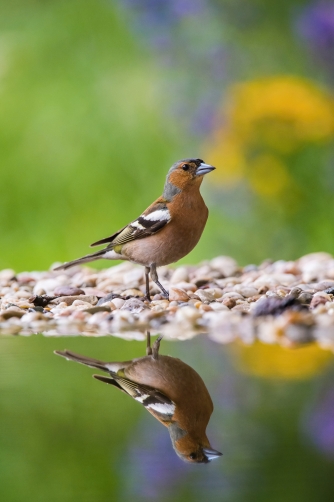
(186,286)
(81,303)
(177,295)
(323,294)
(12,312)
(317,300)
(41,301)
(108,298)
(246,291)
(229,302)
(305,297)
(218,306)
(242,307)
(266,280)
(94,310)
(118,302)
(94,292)
(224,264)
(205,295)
(67,291)
(232,294)
(321,286)
(205,308)
(132,292)
(47,286)
(134,305)
(180,275)
(92,300)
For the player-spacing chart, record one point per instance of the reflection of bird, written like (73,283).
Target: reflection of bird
(167,230)
(170,390)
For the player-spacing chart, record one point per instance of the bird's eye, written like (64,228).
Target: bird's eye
(185,167)
(192,456)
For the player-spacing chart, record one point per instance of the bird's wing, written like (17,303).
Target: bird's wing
(154,401)
(148,223)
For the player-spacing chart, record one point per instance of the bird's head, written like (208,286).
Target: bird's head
(191,448)
(185,173)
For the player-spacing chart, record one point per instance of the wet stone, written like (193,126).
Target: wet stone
(178,295)
(67,291)
(71,299)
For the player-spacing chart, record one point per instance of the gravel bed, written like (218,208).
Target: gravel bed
(286,302)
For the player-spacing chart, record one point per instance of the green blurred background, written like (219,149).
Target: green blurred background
(98,99)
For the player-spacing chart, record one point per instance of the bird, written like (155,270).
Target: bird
(173,392)
(166,231)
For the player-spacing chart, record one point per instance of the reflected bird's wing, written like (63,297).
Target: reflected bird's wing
(159,405)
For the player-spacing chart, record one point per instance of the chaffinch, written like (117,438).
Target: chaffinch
(166,231)
(170,390)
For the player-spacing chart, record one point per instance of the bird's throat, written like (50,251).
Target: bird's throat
(170,191)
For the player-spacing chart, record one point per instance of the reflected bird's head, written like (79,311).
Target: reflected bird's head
(190,447)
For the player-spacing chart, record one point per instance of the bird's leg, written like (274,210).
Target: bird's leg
(148,344)
(147,280)
(155,278)
(156,347)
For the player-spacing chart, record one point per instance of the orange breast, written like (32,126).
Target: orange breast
(175,240)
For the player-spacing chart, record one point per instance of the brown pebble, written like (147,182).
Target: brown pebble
(70,299)
(12,312)
(242,307)
(230,302)
(178,295)
(94,292)
(67,291)
(317,300)
(205,308)
(252,299)
(93,310)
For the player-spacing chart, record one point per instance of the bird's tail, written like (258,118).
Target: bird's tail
(88,361)
(85,259)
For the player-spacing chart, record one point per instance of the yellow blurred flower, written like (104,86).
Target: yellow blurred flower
(264,121)
(292,107)
(268,175)
(274,361)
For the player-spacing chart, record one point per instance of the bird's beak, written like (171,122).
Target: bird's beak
(204,169)
(211,454)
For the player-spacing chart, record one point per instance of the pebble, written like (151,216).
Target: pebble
(118,302)
(132,292)
(217,297)
(246,291)
(181,274)
(67,291)
(92,300)
(133,305)
(46,287)
(205,295)
(224,264)
(177,295)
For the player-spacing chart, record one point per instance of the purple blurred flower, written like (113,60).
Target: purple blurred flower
(315,25)
(319,424)
(187,36)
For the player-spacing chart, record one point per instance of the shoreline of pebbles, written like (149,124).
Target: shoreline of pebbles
(285,302)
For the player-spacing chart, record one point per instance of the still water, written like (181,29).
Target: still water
(65,436)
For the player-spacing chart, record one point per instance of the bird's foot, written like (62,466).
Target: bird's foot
(164,292)
(156,347)
(148,344)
